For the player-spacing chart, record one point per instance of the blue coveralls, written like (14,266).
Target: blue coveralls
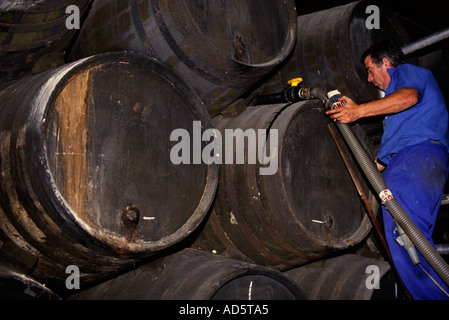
(415,149)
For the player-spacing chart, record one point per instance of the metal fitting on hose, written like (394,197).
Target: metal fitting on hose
(304,93)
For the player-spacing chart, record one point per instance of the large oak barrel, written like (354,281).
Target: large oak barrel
(195,275)
(347,277)
(307,209)
(85,162)
(17,286)
(329,47)
(33,35)
(221,48)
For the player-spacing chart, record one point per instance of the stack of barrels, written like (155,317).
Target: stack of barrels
(87,174)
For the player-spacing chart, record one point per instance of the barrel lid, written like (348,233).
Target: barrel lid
(107,124)
(317,185)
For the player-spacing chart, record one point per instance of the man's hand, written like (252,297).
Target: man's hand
(395,102)
(347,113)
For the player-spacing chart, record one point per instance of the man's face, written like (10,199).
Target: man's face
(378,75)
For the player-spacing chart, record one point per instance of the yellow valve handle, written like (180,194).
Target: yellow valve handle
(294,82)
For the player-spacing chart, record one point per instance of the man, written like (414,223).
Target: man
(414,151)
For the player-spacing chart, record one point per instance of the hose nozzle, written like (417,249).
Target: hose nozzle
(404,241)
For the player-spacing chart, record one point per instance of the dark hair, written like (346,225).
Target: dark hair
(385,49)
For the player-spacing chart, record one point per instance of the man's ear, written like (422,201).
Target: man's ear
(386,63)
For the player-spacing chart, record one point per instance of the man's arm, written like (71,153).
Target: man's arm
(395,102)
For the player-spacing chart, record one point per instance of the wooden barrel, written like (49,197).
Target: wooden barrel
(220,48)
(347,277)
(307,209)
(33,36)
(16,286)
(85,161)
(329,47)
(195,275)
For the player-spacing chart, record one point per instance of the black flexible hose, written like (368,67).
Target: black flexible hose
(289,95)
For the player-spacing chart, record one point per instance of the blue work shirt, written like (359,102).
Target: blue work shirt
(428,119)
